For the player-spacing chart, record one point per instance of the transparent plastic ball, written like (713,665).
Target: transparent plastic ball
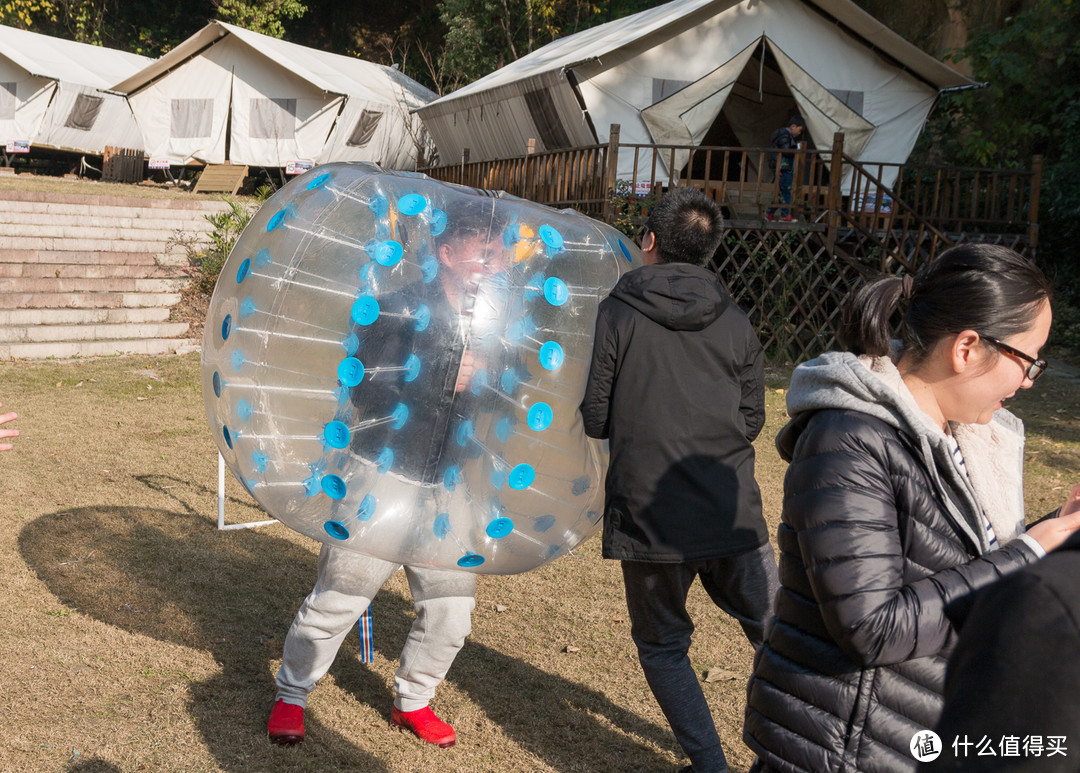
(393,365)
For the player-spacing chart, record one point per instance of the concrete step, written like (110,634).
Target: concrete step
(159,246)
(81,316)
(85,271)
(76,300)
(67,227)
(69,349)
(115,216)
(173,203)
(11,255)
(115,284)
(107,332)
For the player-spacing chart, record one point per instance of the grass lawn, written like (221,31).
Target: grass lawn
(137,637)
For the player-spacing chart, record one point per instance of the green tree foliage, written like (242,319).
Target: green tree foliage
(1030,106)
(265,17)
(25,14)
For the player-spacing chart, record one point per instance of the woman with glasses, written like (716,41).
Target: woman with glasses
(903,496)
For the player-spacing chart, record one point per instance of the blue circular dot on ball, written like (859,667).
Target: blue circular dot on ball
(276,220)
(259,460)
(509,381)
(429,268)
(498,477)
(423,318)
(412,367)
(385,460)
(452,477)
(350,371)
(351,343)
(365,311)
(262,258)
(540,417)
(499,528)
(379,205)
(333,486)
(551,356)
(625,252)
(367,508)
(336,529)
(412,204)
(400,415)
(237,360)
(228,435)
(243,271)
(504,429)
(543,523)
(441,527)
(337,434)
(479,382)
(470,560)
(218,384)
(388,253)
(555,291)
(464,432)
(510,235)
(226,327)
(551,237)
(247,308)
(318,182)
(243,410)
(438,222)
(522,476)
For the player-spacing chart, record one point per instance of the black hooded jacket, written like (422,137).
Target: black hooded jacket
(676,383)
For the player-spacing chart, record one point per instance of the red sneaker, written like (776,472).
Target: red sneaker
(425,725)
(770,217)
(286,724)
(788,219)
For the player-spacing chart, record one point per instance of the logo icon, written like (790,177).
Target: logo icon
(926,746)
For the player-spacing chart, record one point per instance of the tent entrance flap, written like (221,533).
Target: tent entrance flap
(825,114)
(684,117)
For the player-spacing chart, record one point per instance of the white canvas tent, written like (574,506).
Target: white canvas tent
(227,93)
(51,93)
(721,72)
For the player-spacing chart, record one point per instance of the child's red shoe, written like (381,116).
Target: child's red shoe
(425,725)
(286,724)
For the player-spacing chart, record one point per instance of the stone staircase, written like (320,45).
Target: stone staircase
(84,275)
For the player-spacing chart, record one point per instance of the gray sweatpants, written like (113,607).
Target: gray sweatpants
(347,582)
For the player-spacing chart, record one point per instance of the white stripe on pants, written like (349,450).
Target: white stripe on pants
(347,582)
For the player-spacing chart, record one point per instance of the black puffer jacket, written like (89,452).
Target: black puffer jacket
(677,382)
(878,537)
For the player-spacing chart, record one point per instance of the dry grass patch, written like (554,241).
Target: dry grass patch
(137,637)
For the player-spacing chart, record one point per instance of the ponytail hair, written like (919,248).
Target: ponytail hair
(982,287)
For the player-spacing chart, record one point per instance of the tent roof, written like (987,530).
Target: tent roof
(65,60)
(604,39)
(332,73)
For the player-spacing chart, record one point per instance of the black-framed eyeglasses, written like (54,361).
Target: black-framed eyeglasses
(1034,370)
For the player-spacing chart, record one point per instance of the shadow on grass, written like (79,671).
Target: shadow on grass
(169,575)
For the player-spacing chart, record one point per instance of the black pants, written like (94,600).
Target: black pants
(743,586)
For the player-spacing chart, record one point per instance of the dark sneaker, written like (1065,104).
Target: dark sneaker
(286,724)
(425,725)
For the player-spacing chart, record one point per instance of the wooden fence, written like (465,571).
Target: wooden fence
(791,278)
(122,165)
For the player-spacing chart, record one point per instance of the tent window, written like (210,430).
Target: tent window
(84,113)
(364,129)
(662,88)
(272,119)
(191,118)
(853,99)
(546,119)
(7,101)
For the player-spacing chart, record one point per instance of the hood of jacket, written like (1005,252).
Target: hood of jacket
(993,454)
(679,296)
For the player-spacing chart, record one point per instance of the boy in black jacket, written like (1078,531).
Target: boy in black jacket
(785,138)
(676,383)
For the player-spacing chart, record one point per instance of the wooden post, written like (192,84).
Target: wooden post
(835,198)
(464,161)
(1033,203)
(612,169)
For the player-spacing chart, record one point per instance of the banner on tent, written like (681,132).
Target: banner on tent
(17,146)
(298,167)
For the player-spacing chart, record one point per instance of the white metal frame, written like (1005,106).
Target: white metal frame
(222,526)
